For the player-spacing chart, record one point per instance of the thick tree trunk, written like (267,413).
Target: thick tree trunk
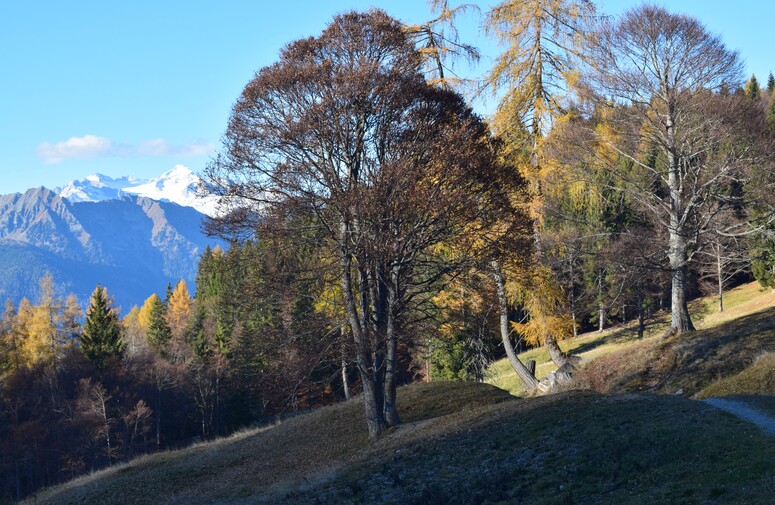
(680,321)
(524,374)
(558,357)
(368,368)
(679,313)
(391,359)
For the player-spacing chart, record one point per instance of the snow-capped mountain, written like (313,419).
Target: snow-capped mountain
(177,185)
(132,245)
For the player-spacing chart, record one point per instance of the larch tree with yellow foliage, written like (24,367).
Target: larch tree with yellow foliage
(533,75)
(40,325)
(439,44)
(179,310)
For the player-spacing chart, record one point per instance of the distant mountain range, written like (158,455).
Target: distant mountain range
(179,185)
(132,236)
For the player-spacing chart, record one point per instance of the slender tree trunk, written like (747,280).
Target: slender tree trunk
(600,318)
(158,419)
(523,373)
(345,383)
(600,307)
(720,275)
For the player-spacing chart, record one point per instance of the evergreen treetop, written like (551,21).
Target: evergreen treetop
(159,332)
(752,88)
(102,333)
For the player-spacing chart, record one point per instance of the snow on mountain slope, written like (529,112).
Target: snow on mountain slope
(96,188)
(132,245)
(177,185)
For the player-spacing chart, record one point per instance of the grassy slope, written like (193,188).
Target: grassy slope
(464,443)
(473,443)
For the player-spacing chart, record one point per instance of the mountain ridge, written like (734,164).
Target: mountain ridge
(132,244)
(177,185)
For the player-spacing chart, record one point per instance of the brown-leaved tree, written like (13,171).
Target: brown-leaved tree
(344,127)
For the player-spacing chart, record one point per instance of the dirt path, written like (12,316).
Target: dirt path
(743,411)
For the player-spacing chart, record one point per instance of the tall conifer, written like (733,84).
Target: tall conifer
(158,330)
(752,88)
(101,338)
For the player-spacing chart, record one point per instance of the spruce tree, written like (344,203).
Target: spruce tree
(158,330)
(752,88)
(101,338)
(771,83)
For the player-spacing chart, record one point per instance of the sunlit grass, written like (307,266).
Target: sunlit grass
(739,302)
(758,379)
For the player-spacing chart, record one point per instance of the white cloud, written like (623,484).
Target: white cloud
(160,147)
(92,146)
(88,146)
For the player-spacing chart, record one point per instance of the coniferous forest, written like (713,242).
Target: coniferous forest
(381,232)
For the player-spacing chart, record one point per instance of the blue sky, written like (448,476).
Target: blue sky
(133,88)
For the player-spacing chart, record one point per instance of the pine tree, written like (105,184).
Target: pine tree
(102,333)
(771,83)
(752,89)
(158,331)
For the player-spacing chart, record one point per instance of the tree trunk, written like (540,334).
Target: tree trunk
(679,313)
(600,318)
(524,374)
(558,357)
(345,384)
(680,321)
(368,370)
(720,275)
(391,360)
(158,419)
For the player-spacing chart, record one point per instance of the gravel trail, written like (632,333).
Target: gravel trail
(743,411)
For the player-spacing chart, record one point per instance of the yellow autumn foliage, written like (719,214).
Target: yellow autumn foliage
(179,309)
